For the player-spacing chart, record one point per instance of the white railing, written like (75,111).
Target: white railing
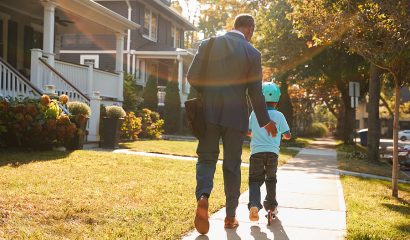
(106,83)
(51,76)
(76,74)
(13,84)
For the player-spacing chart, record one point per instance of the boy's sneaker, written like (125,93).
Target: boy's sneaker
(254,214)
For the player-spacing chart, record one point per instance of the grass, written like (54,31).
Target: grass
(188,148)
(358,162)
(98,195)
(371,211)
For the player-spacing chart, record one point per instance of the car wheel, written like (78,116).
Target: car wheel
(403,138)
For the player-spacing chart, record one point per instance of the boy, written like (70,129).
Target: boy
(264,155)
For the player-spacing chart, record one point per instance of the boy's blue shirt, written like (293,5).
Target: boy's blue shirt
(261,141)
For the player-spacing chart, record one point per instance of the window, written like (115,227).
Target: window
(150,30)
(86,59)
(176,37)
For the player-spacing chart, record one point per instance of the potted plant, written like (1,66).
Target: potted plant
(79,114)
(112,126)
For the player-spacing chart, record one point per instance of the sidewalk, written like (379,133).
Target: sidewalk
(311,203)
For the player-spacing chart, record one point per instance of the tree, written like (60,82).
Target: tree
(172,109)
(373,139)
(132,98)
(377,30)
(150,94)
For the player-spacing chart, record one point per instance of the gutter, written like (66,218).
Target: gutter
(129,37)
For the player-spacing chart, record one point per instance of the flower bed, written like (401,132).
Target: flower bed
(34,124)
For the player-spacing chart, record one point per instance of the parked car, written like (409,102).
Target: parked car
(404,135)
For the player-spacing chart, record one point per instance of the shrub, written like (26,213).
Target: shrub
(34,123)
(172,109)
(151,124)
(131,127)
(192,93)
(79,108)
(150,94)
(317,130)
(132,94)
(115,112)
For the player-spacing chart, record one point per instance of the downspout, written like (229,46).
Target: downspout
(129,38)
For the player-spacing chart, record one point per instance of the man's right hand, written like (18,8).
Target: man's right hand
(271,128)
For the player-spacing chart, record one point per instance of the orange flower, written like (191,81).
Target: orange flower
(51,124)
(63,120)
(45,100)
(63,99)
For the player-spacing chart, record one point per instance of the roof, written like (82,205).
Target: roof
(99,14)
(189,26)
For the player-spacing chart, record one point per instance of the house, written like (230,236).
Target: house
(385,119)
(30,56)
(157,48)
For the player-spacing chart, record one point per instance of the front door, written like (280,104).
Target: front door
(12,43)
(1,39)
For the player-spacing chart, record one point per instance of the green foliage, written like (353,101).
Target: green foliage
(114,112)
(317,130)
(132,94)
(150,94)
(35,124)
(172,112)
(152,124)
(79,108)
(131,127)
(192,93)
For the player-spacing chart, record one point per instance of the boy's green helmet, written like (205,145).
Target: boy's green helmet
(271,91)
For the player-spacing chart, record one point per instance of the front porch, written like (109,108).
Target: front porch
(166,66)
(30,40)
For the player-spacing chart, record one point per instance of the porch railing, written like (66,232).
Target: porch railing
(89,79)
(76,74)
(13,84)
(51,76)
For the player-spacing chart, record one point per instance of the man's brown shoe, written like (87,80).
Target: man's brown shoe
(201,218)
(231,222)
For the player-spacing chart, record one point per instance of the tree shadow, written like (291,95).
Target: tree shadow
(16,158)
(399,208)
(404,228)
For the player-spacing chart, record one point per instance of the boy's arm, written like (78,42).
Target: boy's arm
(286,135)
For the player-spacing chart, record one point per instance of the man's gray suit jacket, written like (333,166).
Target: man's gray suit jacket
(234,70)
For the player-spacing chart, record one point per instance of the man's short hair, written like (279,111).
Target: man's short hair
(244,20)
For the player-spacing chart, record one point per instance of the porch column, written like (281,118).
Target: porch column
(119,64)
(35,72)
(133,65)
(48,31)
(180,72)
(137,69)
(94,124)
(90,79)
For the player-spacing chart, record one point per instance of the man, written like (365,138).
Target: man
(234,71)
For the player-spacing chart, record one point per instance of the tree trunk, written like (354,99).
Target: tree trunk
(395,169)
(373,139)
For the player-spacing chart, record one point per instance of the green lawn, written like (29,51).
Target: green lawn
(98,195)
(371,211)
(359,163)
(188,148)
